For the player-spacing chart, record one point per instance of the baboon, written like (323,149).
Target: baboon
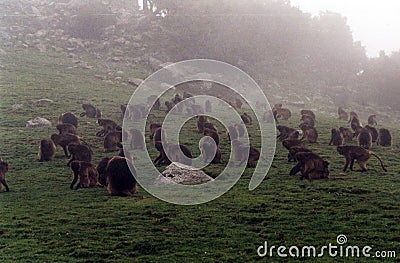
(208,106)
(372,120)
(47,150)
(137,139)
(169,106)
(246,118)
(135,112)
(3,171)
(342,114)
(311,166)
(284,132)
(308,112)
(311,135)
(358,153)
(277,106)
(283,113)
(197,109)
(153,128)
(364,138)
(269,117)
(294,135)
(108,126)
(347,134)
(201,120)
(101,170)
(157,138)
(210,126)
(79,152)
(336,138)
(308,120)
(120,179)
(240,129)
(355,123)
(384,138)
(173,150)
(353,115)
(87,174)
(176,101)
(210,151)
(66,128)
(68,117)
(238,103)
(213,134)
(296,149)
(240,149)
(123,108)
(111,141)
(292,143)
(373,132)
(90,111)
(64,139)
(232,133)
(187,95)
(154,99)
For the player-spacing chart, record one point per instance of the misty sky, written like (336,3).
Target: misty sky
(375,23)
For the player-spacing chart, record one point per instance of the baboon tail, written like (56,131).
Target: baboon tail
(380,160)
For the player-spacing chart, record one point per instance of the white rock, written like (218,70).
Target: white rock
(183,174)
(38,122)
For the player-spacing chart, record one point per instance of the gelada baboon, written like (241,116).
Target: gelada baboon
(210,126)
(207,106)
(232,133)
(66,128)
(239,153)
(169,106)
(296,149)
(201,120)
(137,139)
(311,166)
(347,134)
(79,152)
(108,126)
(384,138)
(336,138)
(289,144)
(269,117)
(120,179)
(364,138)
(352,153)
(135,112)
(86,173)
(246,118)
(101,170)
(111,141)
(310,134)
(176,101)
(159,134)
(284,132)
(373,131)
(153,128)
(90,111)
(68,117)
(210,152)
(47,150)
(173,151)
(308,112)
(213,134)
(283,113)
(343,114)
(3,171)
(353,115)
(355,125)
(154,99)
(372,120)
(308,120)
(64,139)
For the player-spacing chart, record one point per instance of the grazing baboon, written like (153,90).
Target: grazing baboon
(153,128)
(347,134)
(173,150)
(210,151)
(364,138)
(137,139)
(68,117)
(240,129)
(153,99)
(3,171)
(169,106)
(232,133)
(308,120)
(246,118)
(384,138)
(66,128)
(373,131)
(343,114)
(120,179)
(355,123)
(352,153)
(64,139)
(310,135)
(336,138)
(47,150)
(283,113)
(239,150)
(238,103)
(284,132)
(79,152)
(111,141)
(213,134)
(311,166)
(296,149)
(108,126)
(208,106)
(101,170)
(87,174)
(308,112)
(372,120)
(201,120)
(123,108)
(90,111)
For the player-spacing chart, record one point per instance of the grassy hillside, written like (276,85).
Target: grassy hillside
(42,220)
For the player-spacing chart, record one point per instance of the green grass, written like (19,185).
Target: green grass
(42,220)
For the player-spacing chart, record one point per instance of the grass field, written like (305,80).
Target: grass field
(42,220)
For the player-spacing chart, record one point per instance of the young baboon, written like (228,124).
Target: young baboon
(372,120)
(336,138)
(308,112)
(137,139)
(296,149)
(64,139)
(101,170)
(311,135)
(364,138)
(347,134)
(213,134)
(284,132)
(3,171)
(240,129)
(208,106)
(210,152)
(111,141)
(238,103)
(373,131)
(283,113)
(232,133)
(153,128)
(169,106)
(90,111)
(239,150)
(108,126)
(352,153)
(384,138)
(68,117)
(120,179)
(66,128)
(87,174)
(47,150)
(342,114)
(246,118)
(201,120)
(311,166)
(79,152)
(173,150)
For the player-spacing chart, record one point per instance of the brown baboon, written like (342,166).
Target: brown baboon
(355,124)
(358,153)
(342,114)
(90,111)
(308,112)
(64,139)
(372,120)
(137,139)
(176,101)
(173,150)
(296,149)
(373,132)
(238,103)
(213,134)
(87,174)
(153,128)
(47,150)
(123,108)
(169,106)
(232,133)
(364,138)
(208,106)
(108,126)
(153,99)
(246,118)
(68,117)
(101,170)
(240,149)
(284,132)
(294,135)
(277,106)
(120,179)
(283,113)
(347,134)
(240,129)
(311,135)
(135,112)
(336,138)
(201,120)
(311,166)
(66,128)
(353,115)
(79,152)
(292,143)
(3,171)
(269,117)
(111,141)
(210,152)
(384,138)
(308,120)
(157,138)
(210,126)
